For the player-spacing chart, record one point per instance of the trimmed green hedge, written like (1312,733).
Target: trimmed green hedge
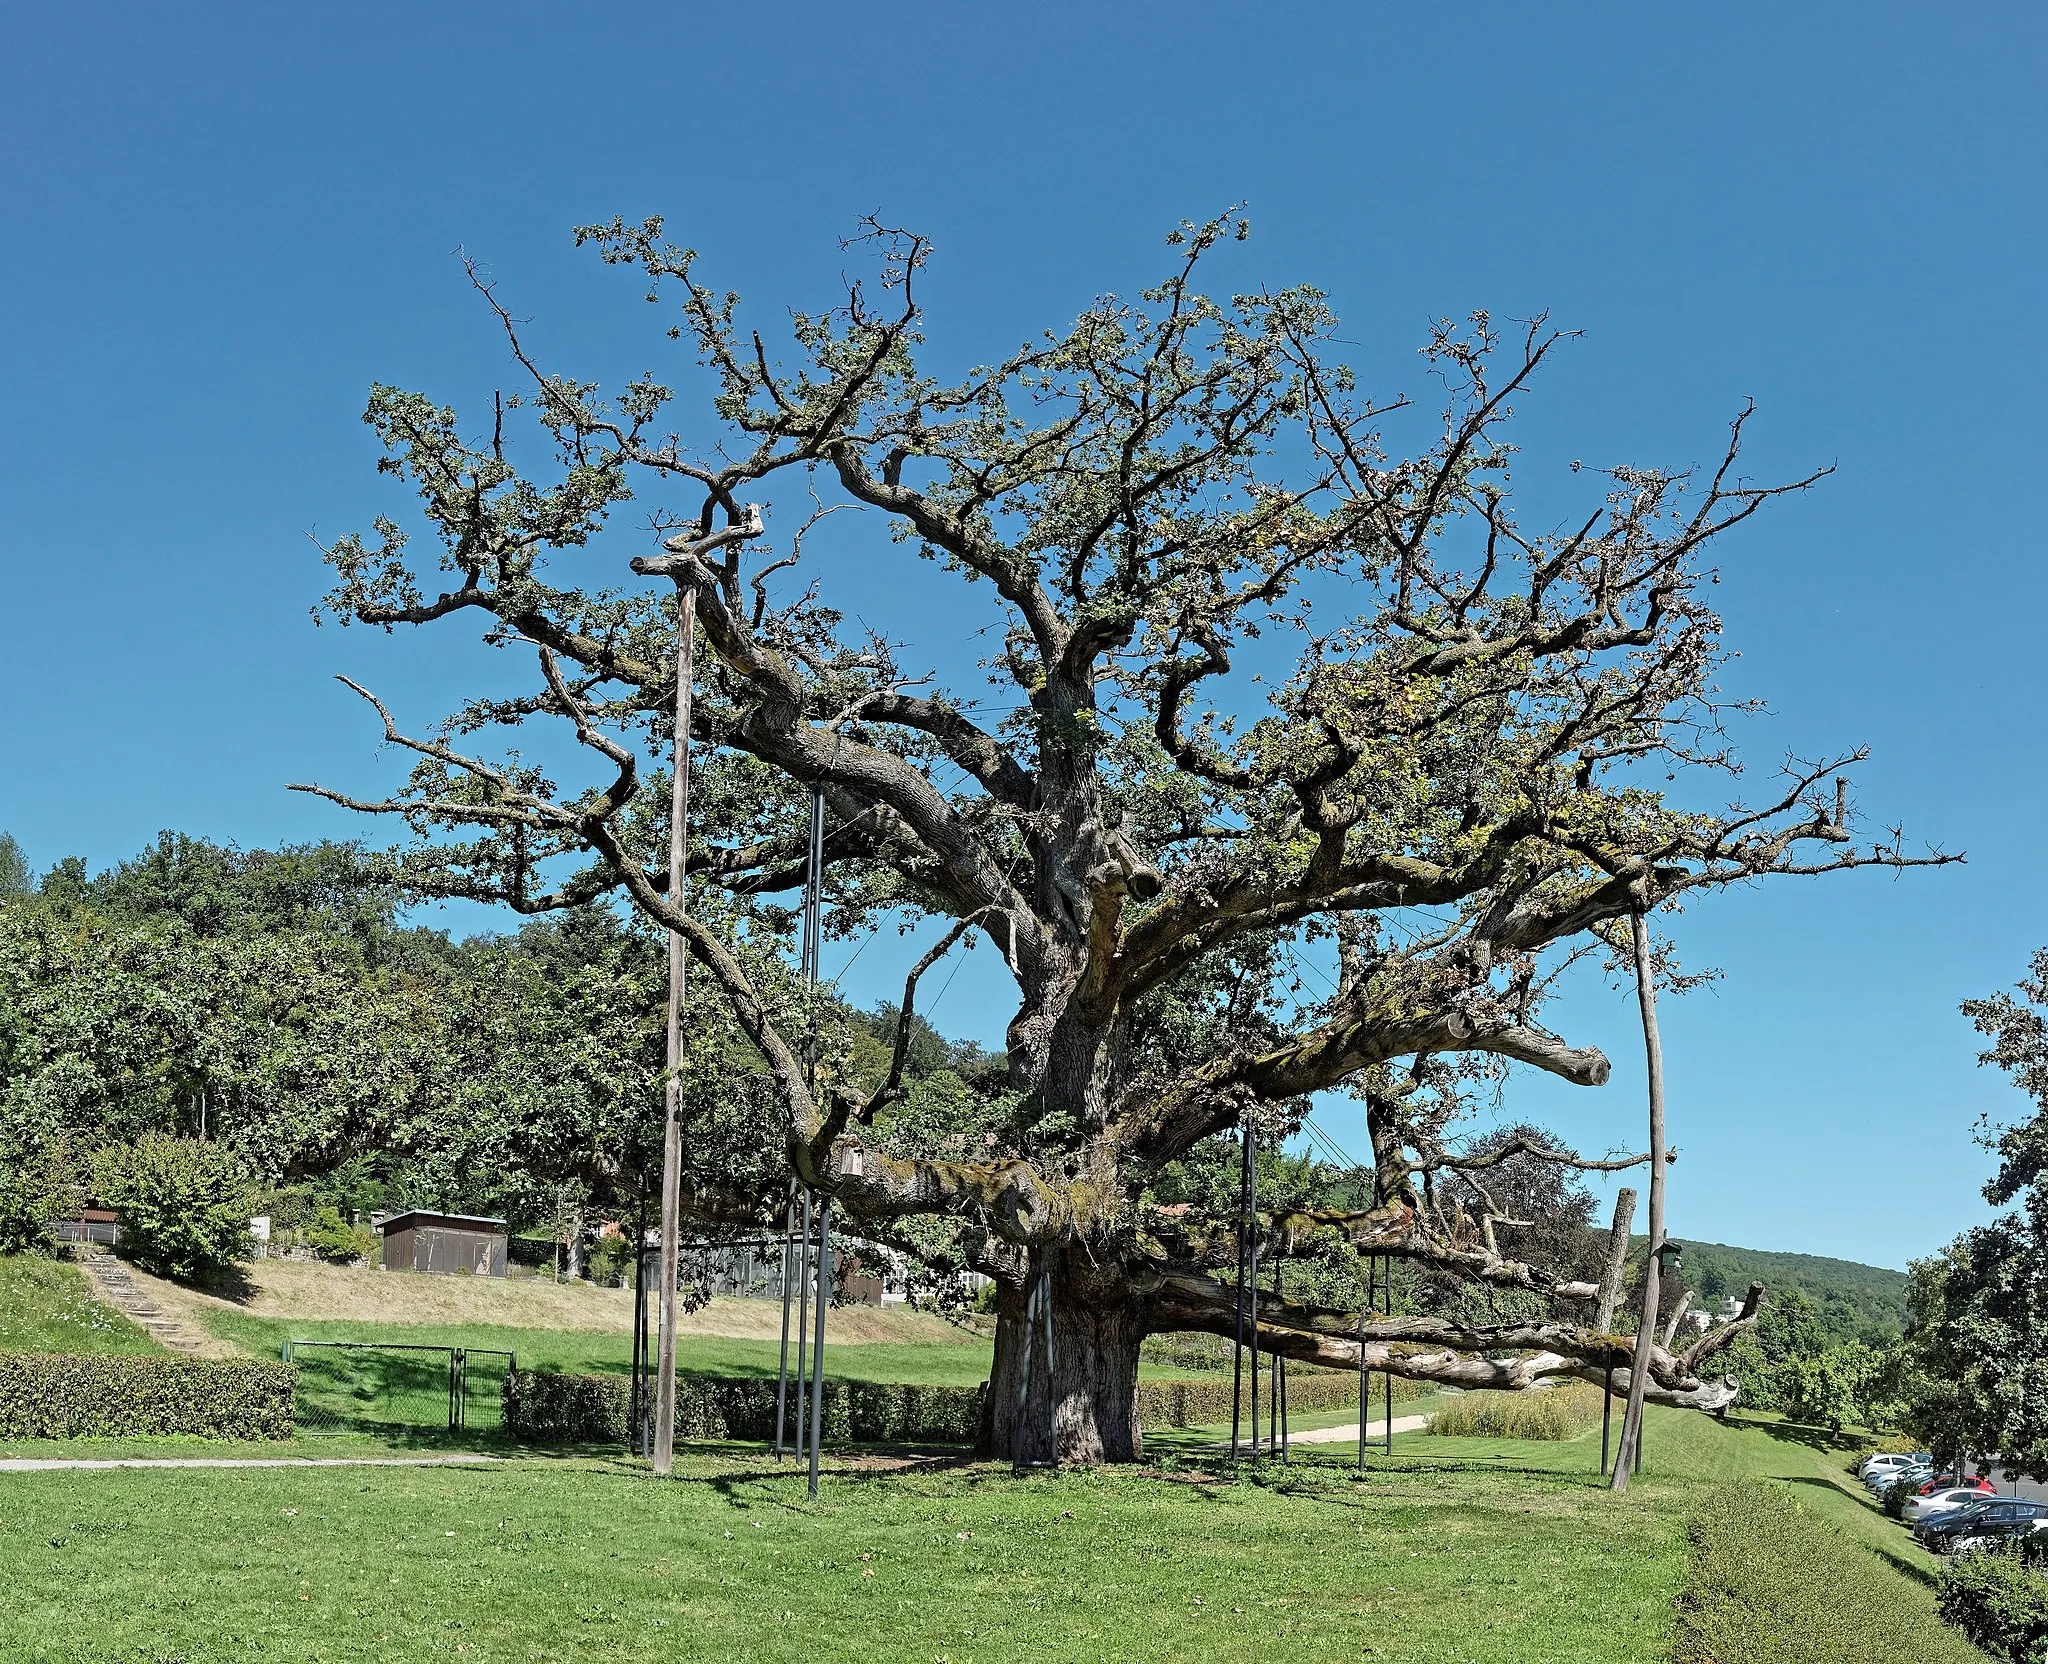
(50,1395)
(544,1408)
(1771,1584)
(1999,1601)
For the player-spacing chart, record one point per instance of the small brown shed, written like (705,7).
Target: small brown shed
(445,1242)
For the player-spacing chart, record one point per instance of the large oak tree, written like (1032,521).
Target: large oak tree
(1276,684)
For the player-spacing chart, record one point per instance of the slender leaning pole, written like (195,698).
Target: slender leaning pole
(1627,1458)
(672,1096)
(1610,1297)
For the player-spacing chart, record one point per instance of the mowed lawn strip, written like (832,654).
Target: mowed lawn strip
(1475,1552)
(1503,1551)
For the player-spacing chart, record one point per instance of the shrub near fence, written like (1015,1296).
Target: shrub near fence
(47,1395)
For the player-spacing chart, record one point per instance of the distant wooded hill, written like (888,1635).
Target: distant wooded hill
(1852,1297)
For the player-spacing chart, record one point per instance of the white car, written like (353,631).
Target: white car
(1888,1461)
(1880,1480)
(1953,1496)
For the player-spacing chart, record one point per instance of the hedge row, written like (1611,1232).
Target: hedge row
(1771,1584)
(58,1396)
(545,1408)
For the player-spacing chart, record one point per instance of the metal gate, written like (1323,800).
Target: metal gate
(355,1386)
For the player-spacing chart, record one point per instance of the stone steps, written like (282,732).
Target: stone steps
(111,1280)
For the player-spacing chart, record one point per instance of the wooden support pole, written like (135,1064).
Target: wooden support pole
(1630,1454)
(672,1096)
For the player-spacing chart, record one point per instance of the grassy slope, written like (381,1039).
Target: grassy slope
(48,1306)
(1460,1549)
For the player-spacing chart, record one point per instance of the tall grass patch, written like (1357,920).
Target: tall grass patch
(1555,1413)
(47,1305)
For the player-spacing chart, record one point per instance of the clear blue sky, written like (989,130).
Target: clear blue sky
(222,222)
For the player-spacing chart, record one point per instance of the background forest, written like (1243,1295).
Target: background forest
(278,1007)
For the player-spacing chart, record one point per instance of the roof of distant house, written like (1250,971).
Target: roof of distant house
(427,1216)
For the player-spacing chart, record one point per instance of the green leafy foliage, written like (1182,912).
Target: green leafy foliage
(335,1240)
(184,1204)
(1850,1301)
(1999,1601)
(1769,1584)
(1975,1368)
(34,1186)
(58,1396)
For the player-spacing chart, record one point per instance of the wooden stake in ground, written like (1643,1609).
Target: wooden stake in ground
(672,1119)
(1646,1331)
(1617,1258)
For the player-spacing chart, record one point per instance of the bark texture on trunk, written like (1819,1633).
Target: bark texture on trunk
(1085,1410)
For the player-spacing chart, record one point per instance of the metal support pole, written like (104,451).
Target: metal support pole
(637,1441)
(1630,1455)
(672,1095)
(1252,1269)
(1606,1417)
(803,1325)
(1279,1374)
(1364,1377)
(1237,1346)
(1386,1376)
(818,1343)
(782,1367)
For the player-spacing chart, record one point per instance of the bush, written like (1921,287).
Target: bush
(1999,1601)
(57,1396)
(1770,1584)
(1562,1412)
(334,1239)
(184,1204)
(33,1186)
(544,1408)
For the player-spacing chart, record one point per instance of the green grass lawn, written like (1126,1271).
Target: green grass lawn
(1510,1553)
(47,1305)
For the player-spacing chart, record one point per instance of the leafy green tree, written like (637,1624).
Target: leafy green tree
(34,1187)
(1977,1330)
(184,1204)
(1280,671)
(15,877)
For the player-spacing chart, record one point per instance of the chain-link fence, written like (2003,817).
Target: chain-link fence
(348,1386)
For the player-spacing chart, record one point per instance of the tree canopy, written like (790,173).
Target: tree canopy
(1282,673)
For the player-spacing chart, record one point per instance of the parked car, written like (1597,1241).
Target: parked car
(1980,1524)
(1919,1507)
(1902,1479)
(1876,1477)
(1871,1466)
(1943,1481)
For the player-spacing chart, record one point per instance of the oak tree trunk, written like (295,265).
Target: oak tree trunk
(1086,1411)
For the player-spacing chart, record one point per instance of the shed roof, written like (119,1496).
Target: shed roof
(427,1216)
